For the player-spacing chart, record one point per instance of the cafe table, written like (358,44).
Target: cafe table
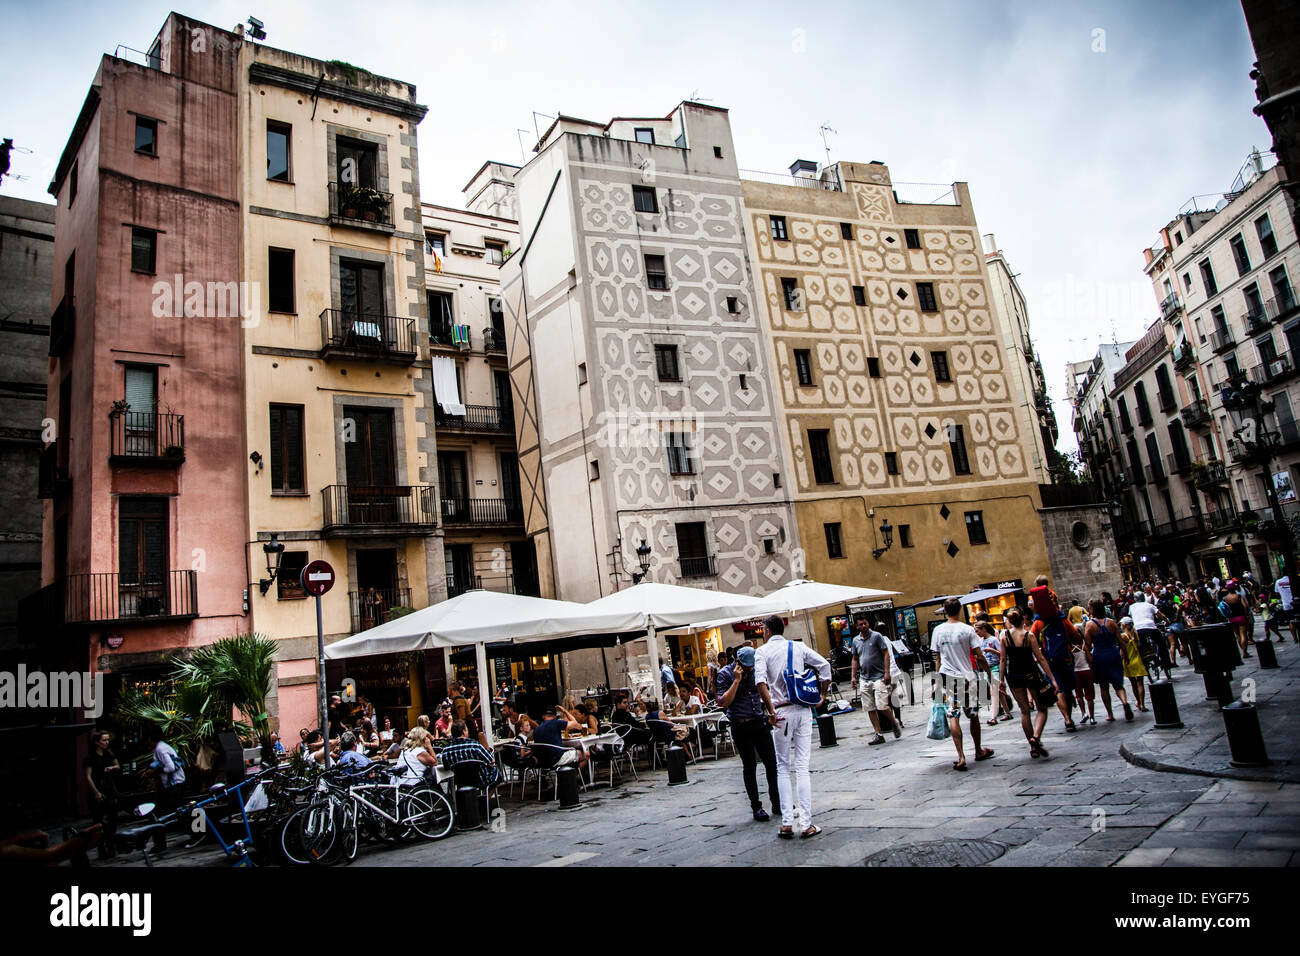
(696,720)
(586,742)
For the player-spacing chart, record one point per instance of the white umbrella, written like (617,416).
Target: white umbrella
(804,595)
(671,605)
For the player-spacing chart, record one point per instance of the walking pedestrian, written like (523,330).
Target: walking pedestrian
(791,721)
(750,730)
(102,771)
(1134,667)
(991,647)
(952,643)
(1022,660)
(1084,691)
(872,663)
(1101,642)
(1238,614)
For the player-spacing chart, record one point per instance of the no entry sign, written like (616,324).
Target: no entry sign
(317,578)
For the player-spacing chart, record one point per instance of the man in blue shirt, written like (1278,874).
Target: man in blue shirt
(463,749)
(749,729)
(349,759)
(550,733)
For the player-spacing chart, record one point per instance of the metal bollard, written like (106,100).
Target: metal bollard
(1267,656)
(1164,705)
(676,766)
(826,730)
(1218,687)
(1244,736)
(566,787)
(467,809)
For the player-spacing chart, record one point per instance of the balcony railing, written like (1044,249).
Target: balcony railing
(481,512)
(1280,306)
(370,610)
(147,438)
(379,338)
(1210,474)
(1217,521)
(111,597)
(450,336)
(1274,370)
(1192,524)
(52,478)
(477,418)
(698,567)
(1256,321)
(494,341)
(1197,413)
(362,510)
(456,586)
(1177,465)
(1221,340)
(361,206)
(1184,356)
(63,325)
(785,179)
(1169,305)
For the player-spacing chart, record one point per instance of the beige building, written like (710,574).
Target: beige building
(897,400)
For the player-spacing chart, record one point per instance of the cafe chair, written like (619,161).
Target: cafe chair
(544,773)
(621,752)
(665,737)
(468,773)
(514,765)
(721,736)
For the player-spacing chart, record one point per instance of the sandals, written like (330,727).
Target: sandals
(812,831)
(1070,727)
(1036,748)
(984,754)
(960,765)
(992,723)
(785,834)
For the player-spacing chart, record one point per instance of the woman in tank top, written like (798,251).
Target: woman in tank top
(1101,643)
(1022,659)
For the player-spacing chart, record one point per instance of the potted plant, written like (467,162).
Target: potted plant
(174,451)
(120,406)
(348,200)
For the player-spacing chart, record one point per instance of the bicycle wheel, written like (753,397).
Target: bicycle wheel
(349,837)
(428,812)
(310,833)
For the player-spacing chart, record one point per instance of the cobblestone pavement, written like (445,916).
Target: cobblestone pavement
(1084,806)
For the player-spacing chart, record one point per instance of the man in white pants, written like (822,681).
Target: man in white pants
(792,721)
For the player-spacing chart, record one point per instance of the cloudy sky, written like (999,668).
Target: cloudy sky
(1081,127)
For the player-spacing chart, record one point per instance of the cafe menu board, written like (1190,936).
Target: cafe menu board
(905,624)
(501,668)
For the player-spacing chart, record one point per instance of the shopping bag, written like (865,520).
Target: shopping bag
(938,729)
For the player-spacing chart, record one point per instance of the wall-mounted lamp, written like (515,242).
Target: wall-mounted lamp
(274,550)
(886,532)
(256,459)
(643,557)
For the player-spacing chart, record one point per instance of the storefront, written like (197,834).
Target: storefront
(401,687)
(996,600)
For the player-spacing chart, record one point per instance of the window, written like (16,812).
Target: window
(1230,366)
(1207,276)
(776,479)
(834,545)
(595,469)
(287,450)
(358,162)
(144,249)
(679,453)
(1239,254)
(693,550)
(778,227)
(1187,282)
(717,152)
(287,579)
(142,536)
(803,366)
(791,294)
(72,182)
(891,462)
(859,295)
(940,362)
(733,304)
(277,151)
(744,382)
(645,135)
(361,293)
(644,199)
(440,317)
(873,367)
(666,363)
(494,252)
(280,280)
(925,297)
(1281,288)
(846,230)
(1267,241)
(146,136)
(913,238)
(975,527)
(1254,301)
(957,443)
(1178,238)
(656,272)
(819,446)
(582,373)
(1140,404)
(435,243)
(905,536)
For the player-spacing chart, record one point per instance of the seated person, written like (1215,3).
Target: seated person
(584,715)
(416,756)
(665,731)
(672,702)
(636,735)
(550,732)
(442,727)
(464,748)
(510,717)
(349,759)
(524,729)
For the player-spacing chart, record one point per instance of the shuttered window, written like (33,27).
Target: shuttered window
(287,449)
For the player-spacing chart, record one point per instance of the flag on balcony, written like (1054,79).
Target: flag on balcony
(437,263)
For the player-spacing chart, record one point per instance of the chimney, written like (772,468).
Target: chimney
(990,244)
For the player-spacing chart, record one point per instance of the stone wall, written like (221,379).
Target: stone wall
(1081,550)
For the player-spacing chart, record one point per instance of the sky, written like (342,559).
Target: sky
(1080,127)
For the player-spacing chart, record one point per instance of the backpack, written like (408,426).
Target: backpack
(1055,641)
(800,688)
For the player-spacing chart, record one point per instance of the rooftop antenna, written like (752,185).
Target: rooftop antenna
(256,28)
(537,132)
(696,98)
(825,128)
(519,134)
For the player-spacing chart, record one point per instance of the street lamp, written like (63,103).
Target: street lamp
(274,551)
(643,557)
(1257,445)
(886,532)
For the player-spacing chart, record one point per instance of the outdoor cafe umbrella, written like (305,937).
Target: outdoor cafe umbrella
(672,606)
(807,596)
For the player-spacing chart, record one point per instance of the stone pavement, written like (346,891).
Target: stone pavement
(1084,806)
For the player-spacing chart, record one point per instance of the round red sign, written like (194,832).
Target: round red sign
(317,578)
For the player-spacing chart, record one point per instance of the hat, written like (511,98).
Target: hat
(746,656)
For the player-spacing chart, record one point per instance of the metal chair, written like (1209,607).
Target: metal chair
(513,761)
(469,773)
(545,772)
(621,752)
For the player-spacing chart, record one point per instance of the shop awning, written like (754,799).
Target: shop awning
(983,595)
(795,598)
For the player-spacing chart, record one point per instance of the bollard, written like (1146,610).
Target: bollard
(1244,736)
(1267,656)
(1164,705)
(467,811)
(566,787)
(676,766)
(826,730)
(1218,688)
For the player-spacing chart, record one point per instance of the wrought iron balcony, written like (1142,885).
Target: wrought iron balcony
(1197,413)
(1170,304)
(494,341)
(63,326)
(146,439)
(1179,527)
(53,480)
(1184,356)
(1209,474)
(368,336)
(456,586)
(1221,340)
(1274,370)
(372,610)
(481,512)
(477,418)
(361,206)
(115,598)
(378,510)
(698,567)
(1256,321)
(1222,520)
(1280,307)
